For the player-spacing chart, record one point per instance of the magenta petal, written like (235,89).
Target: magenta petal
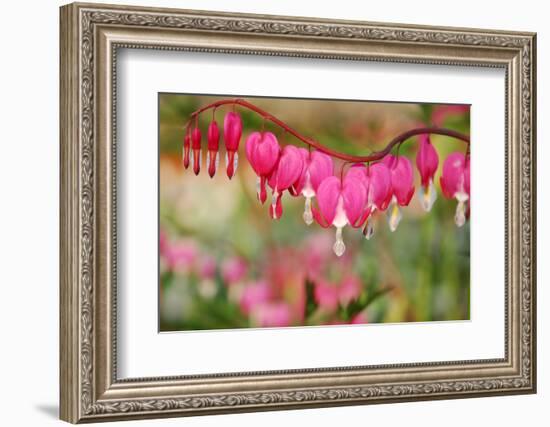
(262,151)
(249,147)
(427,160)
(355,198)
(320,167)
(213,136)
(359,172)
(467,176)
(288,169)
(328,195)
(301,182)
(380,188)
(232,130)
(401,178)
(452,177)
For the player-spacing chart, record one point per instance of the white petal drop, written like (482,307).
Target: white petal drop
(308,215)
(274,196)
(428,197)
(369,229)
(395,216)
(191,162)
(216,161)
(460,215)
(258,186)
(235,162)
(339,247)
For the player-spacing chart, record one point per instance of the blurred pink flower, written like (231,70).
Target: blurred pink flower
(441,112)
(316,252)
(349,289)
(234,270)
(326,295)
(274,314)
(359,318)
(330,295)
(163,242)
(253,294)
(287,280)
(181,255)
(207,267)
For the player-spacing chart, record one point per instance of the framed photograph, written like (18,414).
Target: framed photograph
(265,212)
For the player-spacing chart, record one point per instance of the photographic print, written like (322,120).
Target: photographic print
(280,212)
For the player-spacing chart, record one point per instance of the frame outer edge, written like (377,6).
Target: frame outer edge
(68,213)
(78,340)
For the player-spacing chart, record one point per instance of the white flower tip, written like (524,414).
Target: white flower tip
(394,217)
(308,215)
(428,197)
(460,215)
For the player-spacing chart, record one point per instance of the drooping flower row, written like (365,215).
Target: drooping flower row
(349,198)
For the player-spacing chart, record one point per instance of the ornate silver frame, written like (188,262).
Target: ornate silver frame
(90,36)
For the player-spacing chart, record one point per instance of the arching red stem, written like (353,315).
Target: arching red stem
(377,155)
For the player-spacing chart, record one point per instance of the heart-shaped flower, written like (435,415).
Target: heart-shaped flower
(427,162)
(377,181)
(341,203)
(286,172)
(232,132)
(317,167)
(262,151)
(402,186)
(455,183)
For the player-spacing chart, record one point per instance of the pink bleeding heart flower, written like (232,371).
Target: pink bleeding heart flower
(186,150)
(271,314)
(262,151)
(232,132)
(341,203)
(213,147)
(376,179)
(402,186)
(196,137)
(455,183)
(427,162)
(286,172)
(254,294)
(317,167)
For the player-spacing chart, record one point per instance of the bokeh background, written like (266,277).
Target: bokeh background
(224,263)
